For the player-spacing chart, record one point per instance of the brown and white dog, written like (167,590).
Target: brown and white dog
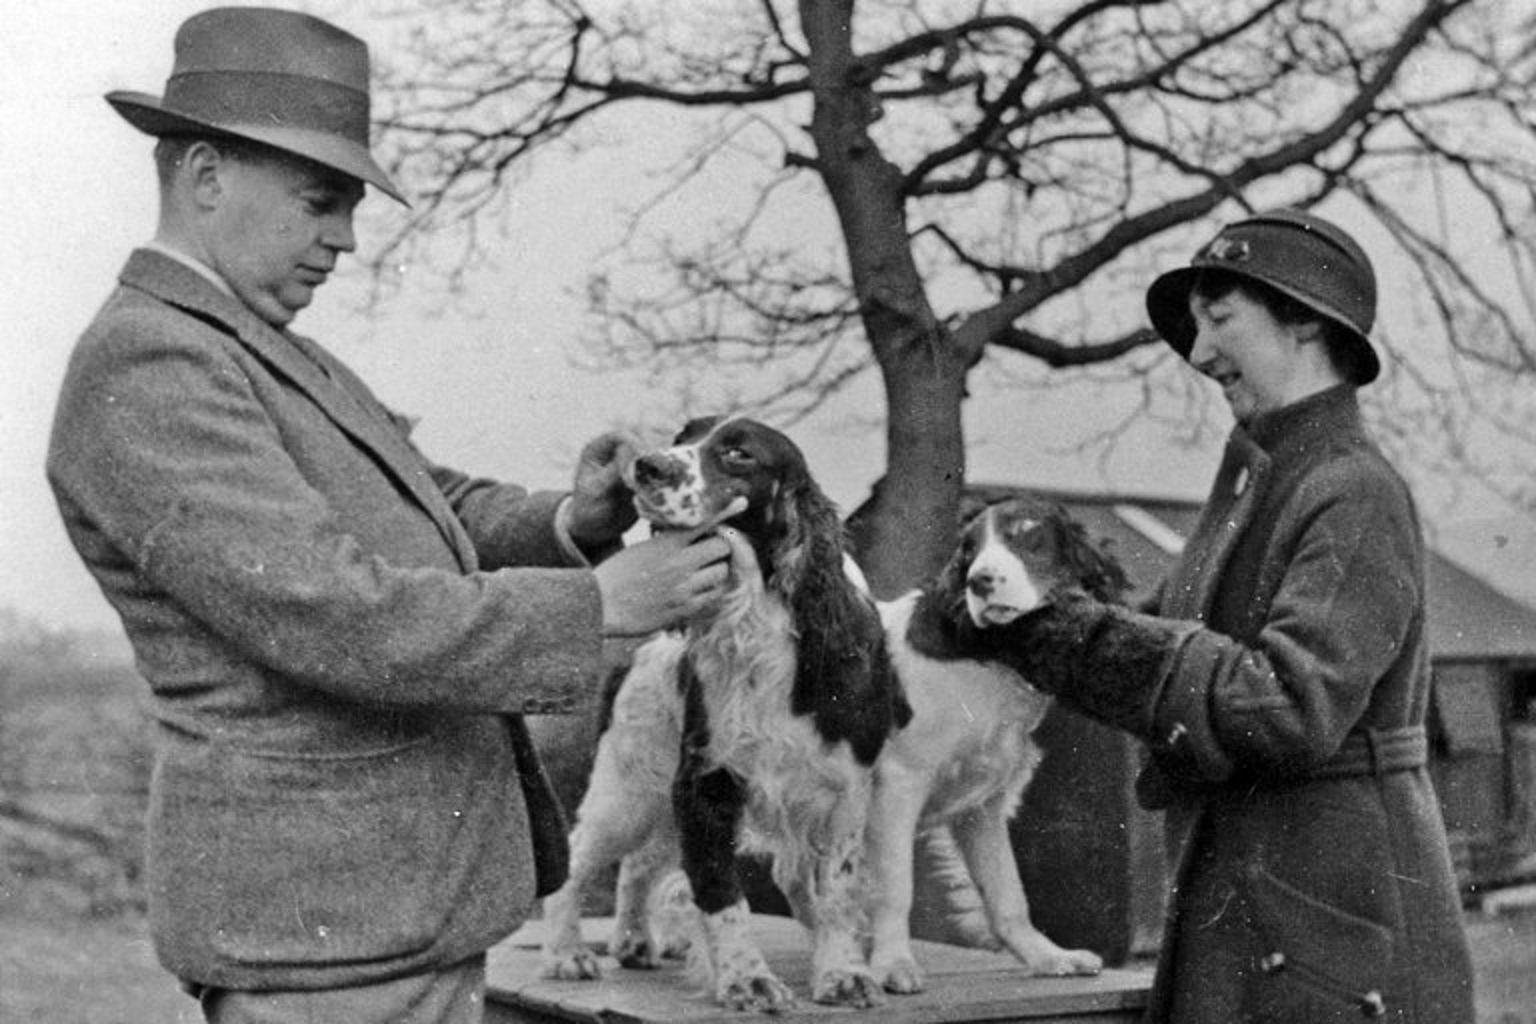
(968,754)
(757,729)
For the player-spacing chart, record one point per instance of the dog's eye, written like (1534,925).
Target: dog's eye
(1027,536)
(736,457)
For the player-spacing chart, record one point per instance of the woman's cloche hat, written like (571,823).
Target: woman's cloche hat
(1308,258)
(281,78)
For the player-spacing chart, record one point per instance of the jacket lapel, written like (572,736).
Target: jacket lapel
(1245,469)
(309,368)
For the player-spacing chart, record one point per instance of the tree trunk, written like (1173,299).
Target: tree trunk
(909,525)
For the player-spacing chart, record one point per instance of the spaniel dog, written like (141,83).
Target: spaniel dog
(968,754)
(755,730)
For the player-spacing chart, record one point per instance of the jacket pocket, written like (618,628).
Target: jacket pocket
(264,861)
(1319,963)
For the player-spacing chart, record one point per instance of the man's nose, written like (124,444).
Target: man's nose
(338,233)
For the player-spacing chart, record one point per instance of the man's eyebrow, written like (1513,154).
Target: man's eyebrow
(334,186)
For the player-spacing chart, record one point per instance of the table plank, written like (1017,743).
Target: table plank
(963,985)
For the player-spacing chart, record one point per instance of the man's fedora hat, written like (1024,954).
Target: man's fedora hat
(281,78)
(1298,253)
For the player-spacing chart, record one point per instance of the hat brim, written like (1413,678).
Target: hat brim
(1168,308)
(146,113)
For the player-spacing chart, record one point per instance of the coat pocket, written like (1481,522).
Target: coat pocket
(268,861)
(1319,963)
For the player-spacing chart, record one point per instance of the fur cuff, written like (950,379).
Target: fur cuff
(1102,660)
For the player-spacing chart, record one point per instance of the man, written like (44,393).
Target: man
(339,635)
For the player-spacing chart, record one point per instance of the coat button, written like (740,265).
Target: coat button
(1273,963)
(1372,1005)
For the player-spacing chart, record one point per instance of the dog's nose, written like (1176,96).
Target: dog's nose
(982,583)
(657,469)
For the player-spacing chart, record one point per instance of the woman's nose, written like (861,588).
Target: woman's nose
(1201,350)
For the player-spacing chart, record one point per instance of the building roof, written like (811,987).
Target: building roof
(1468,618)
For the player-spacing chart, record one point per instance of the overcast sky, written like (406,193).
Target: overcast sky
(491,380)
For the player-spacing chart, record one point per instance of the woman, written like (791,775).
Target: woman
(1282,686)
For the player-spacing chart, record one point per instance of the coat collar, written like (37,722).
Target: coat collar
(1268,446)
(1301,426)
(324,379)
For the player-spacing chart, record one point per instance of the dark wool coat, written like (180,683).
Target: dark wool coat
(1304,887)
(337,646)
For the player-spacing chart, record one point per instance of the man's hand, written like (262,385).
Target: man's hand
(602,505)
(663,582)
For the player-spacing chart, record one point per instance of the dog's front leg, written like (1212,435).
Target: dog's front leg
(635,942)
(709,805)
(839,973)
(895,807)
(982,835)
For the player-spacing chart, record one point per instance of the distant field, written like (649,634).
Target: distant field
(85,972)
(74,774)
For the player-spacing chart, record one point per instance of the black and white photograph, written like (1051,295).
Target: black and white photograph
(939,511)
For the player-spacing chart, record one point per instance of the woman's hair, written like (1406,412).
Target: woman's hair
(1341,344)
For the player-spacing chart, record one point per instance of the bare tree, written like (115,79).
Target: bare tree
(988,168)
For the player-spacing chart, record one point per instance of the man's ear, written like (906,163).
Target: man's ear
(201,167)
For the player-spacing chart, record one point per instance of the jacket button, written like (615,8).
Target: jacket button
(1274,963)
(1372,1005)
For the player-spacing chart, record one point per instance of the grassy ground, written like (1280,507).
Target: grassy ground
(85,972)
(104,972)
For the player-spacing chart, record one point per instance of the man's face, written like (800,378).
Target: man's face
(1242,346)
(278,229)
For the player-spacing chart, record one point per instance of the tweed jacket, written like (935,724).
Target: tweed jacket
(1300,893)
(339,638)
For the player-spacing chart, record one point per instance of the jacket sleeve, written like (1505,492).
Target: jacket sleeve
(510,526)
(165,454)
(1208,704)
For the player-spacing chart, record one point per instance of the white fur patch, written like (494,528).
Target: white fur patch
(963,762)
(675,498)
(999,587)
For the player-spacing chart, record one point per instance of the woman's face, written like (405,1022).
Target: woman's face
(1241,346)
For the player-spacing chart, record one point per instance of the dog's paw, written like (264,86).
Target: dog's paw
(578,964)
(1058,962)
(1080,961)
(635,952)
(847,987)
(764,993)
(900,976)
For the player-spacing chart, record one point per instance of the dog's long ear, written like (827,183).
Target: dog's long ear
(837,627)
(808,544)
(948,585)
(1089,562)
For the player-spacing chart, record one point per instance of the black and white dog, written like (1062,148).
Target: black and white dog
(968,754)
(758,729)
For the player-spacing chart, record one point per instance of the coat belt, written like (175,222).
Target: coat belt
(1376,752)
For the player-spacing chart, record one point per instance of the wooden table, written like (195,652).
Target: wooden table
(963,985)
